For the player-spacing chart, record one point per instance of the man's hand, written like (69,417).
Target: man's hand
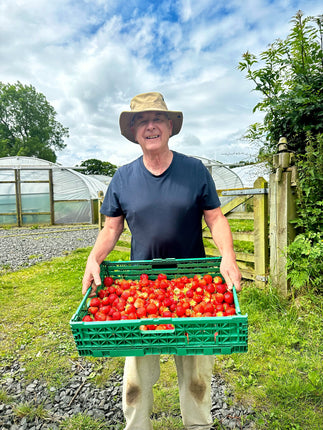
(222,237)
(105,242)
(231,273)
(91,278)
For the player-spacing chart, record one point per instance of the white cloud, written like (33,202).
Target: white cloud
(90,58)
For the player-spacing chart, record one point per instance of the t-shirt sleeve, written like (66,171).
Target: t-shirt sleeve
(209,195)
(111,203)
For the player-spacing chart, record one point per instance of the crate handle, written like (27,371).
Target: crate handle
(167,263)
(82,304)
(236,302)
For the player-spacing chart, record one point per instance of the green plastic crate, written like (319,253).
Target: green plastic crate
(190,336)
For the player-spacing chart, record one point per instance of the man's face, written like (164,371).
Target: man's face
(152,130)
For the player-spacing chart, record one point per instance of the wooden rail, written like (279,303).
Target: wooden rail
(253,266)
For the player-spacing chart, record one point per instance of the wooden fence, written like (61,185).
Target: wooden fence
(253,266)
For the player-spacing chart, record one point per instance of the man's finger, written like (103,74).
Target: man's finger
(93,292)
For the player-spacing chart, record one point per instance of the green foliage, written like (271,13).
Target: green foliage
(84,422)
(305,254)
(98,167)
(30,411)
(27,123)
(289,75)
(304,266)
(168,423)
(310,186)
(5,398)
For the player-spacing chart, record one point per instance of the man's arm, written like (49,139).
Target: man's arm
(222,237)
(105,242)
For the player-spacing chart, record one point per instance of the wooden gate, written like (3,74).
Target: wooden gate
(253,265)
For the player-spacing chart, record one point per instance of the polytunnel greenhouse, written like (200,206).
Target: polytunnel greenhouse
(34,191)
(224,178)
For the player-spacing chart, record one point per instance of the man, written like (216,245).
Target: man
(163,196)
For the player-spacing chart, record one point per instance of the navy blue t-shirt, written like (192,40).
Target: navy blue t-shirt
(164,213)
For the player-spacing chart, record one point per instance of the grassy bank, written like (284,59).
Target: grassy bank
(280,376)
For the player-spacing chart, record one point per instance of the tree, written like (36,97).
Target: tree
(289,75)
(98,167)
(27,123)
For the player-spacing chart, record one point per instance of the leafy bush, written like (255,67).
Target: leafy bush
(305,254)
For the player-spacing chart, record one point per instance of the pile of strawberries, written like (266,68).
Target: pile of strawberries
(199,296)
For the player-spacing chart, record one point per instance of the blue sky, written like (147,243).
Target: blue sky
(90,57)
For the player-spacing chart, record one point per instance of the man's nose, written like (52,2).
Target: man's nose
(150,124)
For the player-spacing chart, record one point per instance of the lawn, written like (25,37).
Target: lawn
(280,376)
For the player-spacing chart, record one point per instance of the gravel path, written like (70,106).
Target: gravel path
(25,247)
(104,403)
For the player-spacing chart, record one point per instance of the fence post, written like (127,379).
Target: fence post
(261,231)
(100,201)
(282,211)
(18,198)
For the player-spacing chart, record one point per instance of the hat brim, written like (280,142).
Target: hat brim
(125,122)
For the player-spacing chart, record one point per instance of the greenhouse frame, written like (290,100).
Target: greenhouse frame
(35,191)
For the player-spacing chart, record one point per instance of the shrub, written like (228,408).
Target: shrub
(306,252)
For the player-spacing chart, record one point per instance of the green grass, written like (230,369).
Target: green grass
(166,397)
(241,224)
(36,305)
(84,422)
(236,225)
(5,399)
(30,411)
(280,376)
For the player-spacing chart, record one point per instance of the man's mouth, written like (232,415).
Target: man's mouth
(153,137)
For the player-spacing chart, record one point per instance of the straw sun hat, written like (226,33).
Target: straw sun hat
(144,103)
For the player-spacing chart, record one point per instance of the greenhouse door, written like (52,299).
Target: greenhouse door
(28,198)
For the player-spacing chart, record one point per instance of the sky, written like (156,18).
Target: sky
(91,57)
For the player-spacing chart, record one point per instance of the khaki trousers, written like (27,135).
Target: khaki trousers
(194,375)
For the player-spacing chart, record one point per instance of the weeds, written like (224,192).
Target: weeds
(168,423)
(5,398)
(84,422)
(30,411)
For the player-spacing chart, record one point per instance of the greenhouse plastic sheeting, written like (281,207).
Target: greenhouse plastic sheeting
(223,176)
(73,192)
